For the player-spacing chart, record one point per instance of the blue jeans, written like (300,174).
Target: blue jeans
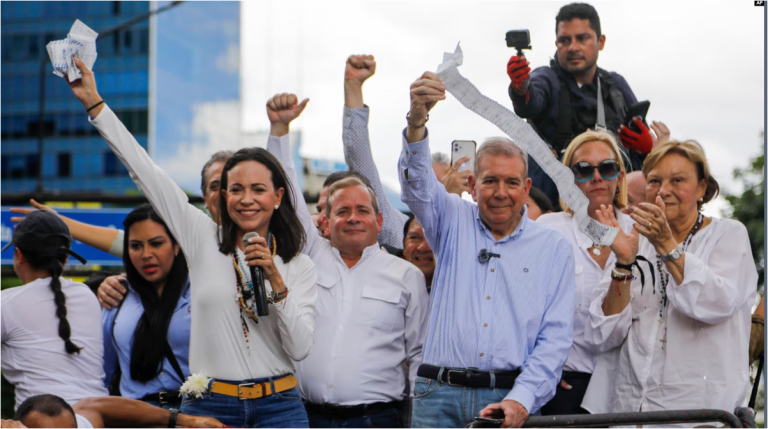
(438,405)
(279,410)
(384,419)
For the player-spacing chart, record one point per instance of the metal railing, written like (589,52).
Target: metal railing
(746,418)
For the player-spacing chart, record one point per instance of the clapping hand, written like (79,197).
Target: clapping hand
(625,246)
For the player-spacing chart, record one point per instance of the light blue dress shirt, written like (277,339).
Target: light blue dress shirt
(513,312)
(119,327)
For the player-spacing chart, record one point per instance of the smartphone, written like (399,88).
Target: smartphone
(461,149)
(482,422)
(638,109)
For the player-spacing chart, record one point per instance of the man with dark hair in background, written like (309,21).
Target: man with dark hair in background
(563,100)
(51,411)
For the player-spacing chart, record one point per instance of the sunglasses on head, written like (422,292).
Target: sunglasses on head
(583,171)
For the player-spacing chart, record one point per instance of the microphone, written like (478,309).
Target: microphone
(257,278)
(484,256)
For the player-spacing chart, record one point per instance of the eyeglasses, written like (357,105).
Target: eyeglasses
(583,171)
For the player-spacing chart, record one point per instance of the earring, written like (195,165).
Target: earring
(701,200)
(277,207)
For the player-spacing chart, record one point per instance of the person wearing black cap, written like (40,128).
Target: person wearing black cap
(51,330)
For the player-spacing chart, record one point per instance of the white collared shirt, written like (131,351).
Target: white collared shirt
(703,361)
(583,355)
(369,318)
(217,343)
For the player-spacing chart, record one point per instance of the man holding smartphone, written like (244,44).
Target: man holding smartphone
(567,98)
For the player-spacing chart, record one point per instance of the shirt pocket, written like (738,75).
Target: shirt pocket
(325,303)
(382,307)
(583,293)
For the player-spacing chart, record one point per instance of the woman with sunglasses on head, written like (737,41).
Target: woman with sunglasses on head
(146,337)
(248,355)
(679,337)
(595,160)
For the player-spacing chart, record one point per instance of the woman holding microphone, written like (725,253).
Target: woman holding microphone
(249,358)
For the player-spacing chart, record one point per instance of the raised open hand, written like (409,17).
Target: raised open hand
(25,211)
(661,133)
(625,246)
(455,181)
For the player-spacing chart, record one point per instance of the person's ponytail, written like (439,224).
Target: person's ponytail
(55,268)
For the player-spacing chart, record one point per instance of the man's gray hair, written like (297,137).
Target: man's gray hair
(440,158)
(500,146)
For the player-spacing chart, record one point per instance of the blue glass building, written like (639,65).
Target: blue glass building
(151,74)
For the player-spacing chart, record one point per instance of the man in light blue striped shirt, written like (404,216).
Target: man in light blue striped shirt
(501,316)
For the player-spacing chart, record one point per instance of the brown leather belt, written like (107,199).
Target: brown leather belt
(254,390)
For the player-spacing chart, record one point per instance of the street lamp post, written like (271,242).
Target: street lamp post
(40,188)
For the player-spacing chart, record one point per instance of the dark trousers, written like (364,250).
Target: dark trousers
(568,401)
(389,418)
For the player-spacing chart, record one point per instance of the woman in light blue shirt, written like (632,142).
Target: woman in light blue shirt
(146,338)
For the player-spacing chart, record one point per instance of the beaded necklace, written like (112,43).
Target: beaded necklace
(664,275)
(245,295)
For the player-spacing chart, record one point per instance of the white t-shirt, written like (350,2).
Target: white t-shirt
(34,359)
(82,422)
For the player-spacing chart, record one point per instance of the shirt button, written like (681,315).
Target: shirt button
(486,325)
(482,354)
(330,386)
(492,270)
(489,297)
(705,377)
(415,152)
(495,244)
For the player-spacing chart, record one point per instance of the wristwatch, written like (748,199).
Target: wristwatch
(673,256)
(172,419)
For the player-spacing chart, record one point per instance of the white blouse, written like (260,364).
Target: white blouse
(583,354)
(701,361)
(217,344)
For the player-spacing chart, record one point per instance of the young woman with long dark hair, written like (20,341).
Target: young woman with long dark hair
(146,337)
(51,340)
(249,358)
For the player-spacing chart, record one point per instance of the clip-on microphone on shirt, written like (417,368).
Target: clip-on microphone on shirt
(484,256)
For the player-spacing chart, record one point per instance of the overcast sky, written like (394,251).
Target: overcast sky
(700,64)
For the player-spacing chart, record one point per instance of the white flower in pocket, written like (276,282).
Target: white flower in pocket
(196,385)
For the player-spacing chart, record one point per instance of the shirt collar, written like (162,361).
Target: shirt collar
(368,252)
(514,235)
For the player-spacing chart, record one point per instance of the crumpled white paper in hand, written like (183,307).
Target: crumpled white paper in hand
(80,42)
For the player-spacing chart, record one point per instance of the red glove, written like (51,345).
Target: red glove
(641,142)
(520,73)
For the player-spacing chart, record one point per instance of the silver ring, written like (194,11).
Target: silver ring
(262,255)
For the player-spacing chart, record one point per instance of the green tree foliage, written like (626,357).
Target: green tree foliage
(749,207)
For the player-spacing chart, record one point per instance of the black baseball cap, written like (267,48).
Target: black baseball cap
(38,233)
